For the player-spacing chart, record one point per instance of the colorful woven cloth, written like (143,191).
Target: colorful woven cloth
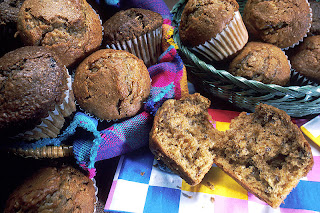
(168,81)
(141,185)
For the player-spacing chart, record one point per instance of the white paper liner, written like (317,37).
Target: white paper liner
(96,194)
(228,42)
(146,47)
(51,125)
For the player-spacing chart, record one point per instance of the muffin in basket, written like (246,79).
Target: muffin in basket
(282,23)
(111,84)
(305,58)
(262,62)
(70,28)
(36,93)
(9,10)
(213,28)
(54,189)
(136,30)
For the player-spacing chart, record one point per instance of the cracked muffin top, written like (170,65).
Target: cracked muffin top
(54,189)
(306,57)
(282,23)
(9,10)
(32,82)
(203,20)
(130,23)
(111,84)
(71,28)
(262,62)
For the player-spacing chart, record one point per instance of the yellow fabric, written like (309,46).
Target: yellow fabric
(313,138)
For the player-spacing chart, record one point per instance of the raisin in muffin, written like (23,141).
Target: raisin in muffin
(54,189)
(36,93)
(213,28)
(71,28)
(182,136)
(305,58)
(111,84)
(262,62)
(282,23)
(136,30)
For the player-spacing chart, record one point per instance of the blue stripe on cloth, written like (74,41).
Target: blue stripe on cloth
(137,166)
(162,199)
(305,196)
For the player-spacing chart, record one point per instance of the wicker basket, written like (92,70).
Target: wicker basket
(300,99)
(44,152)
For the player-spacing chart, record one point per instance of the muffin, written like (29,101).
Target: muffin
(9,10)
(305,58)
(315,25)
(136,30)
(182,136)
(111,84)
(36,93)
(281,23)
(70,28)
(54,189)
(262,62)
(213,28)
(265,152)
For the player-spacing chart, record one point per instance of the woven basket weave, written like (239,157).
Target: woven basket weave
(44,152)
(300,99)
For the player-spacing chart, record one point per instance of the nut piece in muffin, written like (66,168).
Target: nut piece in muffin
(305,58)
(182,136)
(282,23)
(71,28)
(265,152)
(214,28)
(136,30)
(35,94)
(54,189)
(262,62)
(111,84)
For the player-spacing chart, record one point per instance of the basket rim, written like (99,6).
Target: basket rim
(176,11)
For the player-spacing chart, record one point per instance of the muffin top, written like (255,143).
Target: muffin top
(315,26)
(33,81)
(71,28)
(130,23)
(203,20)
(9,10)
(282,23)
(54,189)
(111,84)
(306,57)
(262,62)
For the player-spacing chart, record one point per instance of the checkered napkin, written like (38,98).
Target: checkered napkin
(142,185)
(168,81)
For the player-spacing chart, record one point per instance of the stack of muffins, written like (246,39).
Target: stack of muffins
(267,43)
(61,57)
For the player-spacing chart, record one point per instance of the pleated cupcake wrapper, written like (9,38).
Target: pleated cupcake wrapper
(146,47)
(96,194)
(51,125)
(301,40)
(299,80)
(228,42)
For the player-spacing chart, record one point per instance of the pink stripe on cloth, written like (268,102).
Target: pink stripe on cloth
(222,205)
(314,174)
(110,196)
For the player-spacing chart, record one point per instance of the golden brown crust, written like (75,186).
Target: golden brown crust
(111,84)
(71,28)
(203,20)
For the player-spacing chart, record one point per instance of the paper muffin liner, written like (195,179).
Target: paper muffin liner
(228,42)
(50,126)
(146,47)
(96,195)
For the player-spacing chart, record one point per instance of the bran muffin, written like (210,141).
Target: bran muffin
(111,84)
(282,23)
(70,28)
(315,25)
(54,189)
(305,58)
(262,62)
(35,95)
(265,152)
(213,28)
(182,136)
(136,30)
(9,10)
